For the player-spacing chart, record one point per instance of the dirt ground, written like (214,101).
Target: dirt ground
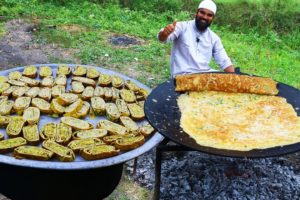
(18,47)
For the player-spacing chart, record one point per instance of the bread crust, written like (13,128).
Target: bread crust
(10,144)
(32,152)
(98,152)
(226,83)
(63,153)
(31,134)
(129,143)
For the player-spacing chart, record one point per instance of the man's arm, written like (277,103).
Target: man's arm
(221,56)
(164,34)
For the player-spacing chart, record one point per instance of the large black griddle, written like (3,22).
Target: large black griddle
(162,111)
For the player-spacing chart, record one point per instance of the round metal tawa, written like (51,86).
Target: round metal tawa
(79,162)
(162,111)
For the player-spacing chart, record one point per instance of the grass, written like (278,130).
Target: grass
(2,30)
(129,190)
(268,54)
(88,27)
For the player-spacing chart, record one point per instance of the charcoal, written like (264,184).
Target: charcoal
(195,175)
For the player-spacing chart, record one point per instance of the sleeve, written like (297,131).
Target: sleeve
(220,54)
(180,26)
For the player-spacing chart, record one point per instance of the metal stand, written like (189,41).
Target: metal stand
(159,150)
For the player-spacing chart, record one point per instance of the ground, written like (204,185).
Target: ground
(18,47)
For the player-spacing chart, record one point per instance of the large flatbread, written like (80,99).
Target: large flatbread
(238,121)
(226,83)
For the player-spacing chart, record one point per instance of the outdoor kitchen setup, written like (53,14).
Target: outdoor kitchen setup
(95,176)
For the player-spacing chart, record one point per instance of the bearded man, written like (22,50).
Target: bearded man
(194,43)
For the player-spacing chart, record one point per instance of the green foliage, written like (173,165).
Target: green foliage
(275,15)
(12,8)
(148,6)
(64,39)
(264,55)
(2,30)
(154,5)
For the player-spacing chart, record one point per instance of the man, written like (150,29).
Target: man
(194,44)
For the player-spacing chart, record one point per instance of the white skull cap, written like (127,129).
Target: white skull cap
(208,4)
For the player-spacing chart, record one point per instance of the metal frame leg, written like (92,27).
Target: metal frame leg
(157,173)
(158,168)
(135,165)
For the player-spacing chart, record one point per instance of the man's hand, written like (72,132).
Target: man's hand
(230,68)
(170,28)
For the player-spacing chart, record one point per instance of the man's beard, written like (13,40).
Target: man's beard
(200,25)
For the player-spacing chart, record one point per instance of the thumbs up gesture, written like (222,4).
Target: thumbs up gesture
(170,28)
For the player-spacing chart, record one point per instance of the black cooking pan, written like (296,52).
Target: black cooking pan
(163,113)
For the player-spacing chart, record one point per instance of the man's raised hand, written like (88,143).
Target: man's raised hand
(170,28)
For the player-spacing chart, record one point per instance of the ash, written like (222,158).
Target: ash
(122,40)
(195,175)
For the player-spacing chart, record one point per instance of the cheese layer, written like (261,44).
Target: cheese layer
(238,121)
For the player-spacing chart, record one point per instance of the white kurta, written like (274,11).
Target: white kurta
(192,50)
